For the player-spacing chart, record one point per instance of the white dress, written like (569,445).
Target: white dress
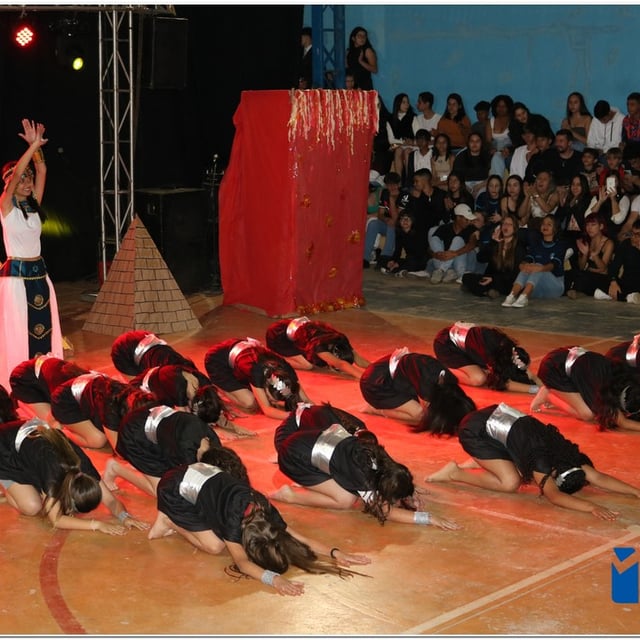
(21,240)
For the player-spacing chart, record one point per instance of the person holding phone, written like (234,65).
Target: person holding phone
(612,204)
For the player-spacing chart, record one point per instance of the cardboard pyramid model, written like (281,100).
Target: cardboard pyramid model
(140,292)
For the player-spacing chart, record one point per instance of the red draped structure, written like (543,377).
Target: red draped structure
(293,200)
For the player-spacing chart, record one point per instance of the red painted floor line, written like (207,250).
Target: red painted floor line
(51,587)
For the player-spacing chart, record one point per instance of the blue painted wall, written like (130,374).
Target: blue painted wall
(536,54)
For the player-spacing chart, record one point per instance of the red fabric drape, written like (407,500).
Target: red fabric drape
(293,200)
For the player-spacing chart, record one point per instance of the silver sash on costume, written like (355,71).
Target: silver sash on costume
(573,354)
(28,428)
(239,347)
(395,358)
(155,417)
(145,381)
(150,340)
(195,476)
(499,423)
(40,360)
(458,333)
(294,325)
(326,444)
(632,351)
(79,383)
(300,409)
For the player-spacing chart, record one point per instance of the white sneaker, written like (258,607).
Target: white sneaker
(522,301)
(509,300)
(634,298)
(450,276)
(418,274)
(599,294)
(384,271)
(436,276)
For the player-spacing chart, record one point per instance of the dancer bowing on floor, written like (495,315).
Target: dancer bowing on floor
(416,389)
(626,354)
(511,447)
(42,471)
(216,511)
(589,386)
(254,377)
(339,462)
(306,344)
(479,355)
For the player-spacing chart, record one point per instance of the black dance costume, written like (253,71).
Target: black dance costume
(626,353)
(134,352)
(239,364)
(402,376)
(86,397)
(34,380)
(464,344)
(308,338)
(576,370)
(159,438)
(27,458)
(313,448)
(200,496)
(167,383)
(500,432)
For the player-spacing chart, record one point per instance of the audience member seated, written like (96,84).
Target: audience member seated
(627,226)
(612,165)
(624,271)
(612,205)
(591,169)
(541,200)
(573,205)
(473,164)
(577,120)
(513,196)
(631,158)
(410,256)
(542,159)
(520,119)
(606,128)
(425,203)
(427,118)
(502,256)
(564,160)
(457,193)
(453,247)
(441,161)
(419,158)
(631,122)
(594,254)
(497,133)
(488,205)
(482,109)
(383,221)
(542,272)
(455,122)
(523,153)
(399,129)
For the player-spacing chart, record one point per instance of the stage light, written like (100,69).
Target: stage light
(77,63)
(24,35)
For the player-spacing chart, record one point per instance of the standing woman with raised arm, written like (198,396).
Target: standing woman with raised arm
(361,58)
(30,323)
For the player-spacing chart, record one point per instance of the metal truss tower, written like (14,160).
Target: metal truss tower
(327,25)
(116,95)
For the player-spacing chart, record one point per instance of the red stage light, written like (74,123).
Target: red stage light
(24,35)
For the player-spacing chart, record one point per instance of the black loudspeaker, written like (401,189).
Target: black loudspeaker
(165,53)
(179,222)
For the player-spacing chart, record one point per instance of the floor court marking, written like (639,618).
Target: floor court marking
(51,587)
(485,601)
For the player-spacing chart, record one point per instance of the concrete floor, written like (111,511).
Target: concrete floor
(518,566)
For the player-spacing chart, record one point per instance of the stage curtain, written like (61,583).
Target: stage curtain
(293,200)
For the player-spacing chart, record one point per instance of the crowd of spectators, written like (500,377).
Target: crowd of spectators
(505,205)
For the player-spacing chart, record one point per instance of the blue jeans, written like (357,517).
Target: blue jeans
(374,227)
(545,284)
(461,264)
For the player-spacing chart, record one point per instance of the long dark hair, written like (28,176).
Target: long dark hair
(584,111)
(8,411)
(621,393)
(461,112)
(228,460)
(509,362)
(352,35)
(507,262)
(74,491)
(267,543)
(118,399)
(31,203)
(207,404)
(447,406)
(280,384)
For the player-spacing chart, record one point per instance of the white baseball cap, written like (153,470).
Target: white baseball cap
(464,210)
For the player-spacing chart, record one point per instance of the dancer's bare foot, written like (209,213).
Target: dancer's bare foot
(161,527)
(238,431)
(445,474)
(110,474)
(284,494)
(541,400)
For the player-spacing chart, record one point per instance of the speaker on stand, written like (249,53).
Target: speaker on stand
(211,183)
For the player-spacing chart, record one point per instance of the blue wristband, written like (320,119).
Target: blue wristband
(268,577)
(534,388)
(123,515)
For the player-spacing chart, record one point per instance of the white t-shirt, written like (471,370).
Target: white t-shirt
(420,122)
(604,136)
